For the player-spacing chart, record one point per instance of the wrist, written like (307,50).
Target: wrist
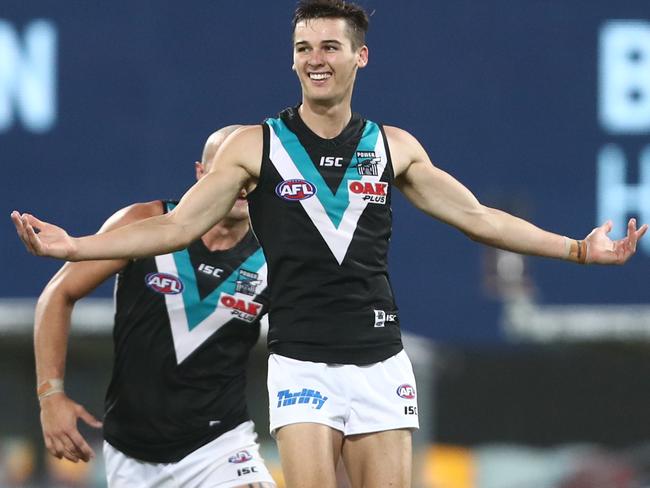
(73,253)
(49,387)
(575,251)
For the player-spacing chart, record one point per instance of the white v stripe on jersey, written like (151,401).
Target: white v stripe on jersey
(338,239)
(186,339)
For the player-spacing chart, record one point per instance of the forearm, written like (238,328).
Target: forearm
(51,329)
(505,231)
(149,237)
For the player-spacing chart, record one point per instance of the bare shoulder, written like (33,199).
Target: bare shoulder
(398,136)
(405,149)
(244,148)
(133,213)
(245,137)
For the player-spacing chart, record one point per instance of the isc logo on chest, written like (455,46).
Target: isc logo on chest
(293,190)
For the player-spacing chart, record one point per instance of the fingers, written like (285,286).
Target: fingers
(16,218)
(608,226)
(631,235)
(56,447)
(24,224)
(89,419)
(71,446)
(62,438)
(79,447)
(33,221)
(34,242)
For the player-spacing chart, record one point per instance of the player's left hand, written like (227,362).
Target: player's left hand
(602,250)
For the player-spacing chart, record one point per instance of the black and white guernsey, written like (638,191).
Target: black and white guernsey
(185,323)
(321,211)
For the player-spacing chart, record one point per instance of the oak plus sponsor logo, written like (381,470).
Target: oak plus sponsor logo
(370,191)
(295,190)
(406,391)
(242,308)
(164,283)
(240,457)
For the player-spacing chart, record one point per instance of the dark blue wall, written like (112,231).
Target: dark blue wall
(503,95)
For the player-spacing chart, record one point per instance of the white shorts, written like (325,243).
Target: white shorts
(232,459)
(350,398)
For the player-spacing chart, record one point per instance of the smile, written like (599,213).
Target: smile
(319,76)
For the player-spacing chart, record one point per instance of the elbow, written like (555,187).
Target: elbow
(482,227)
(182,240)
(55,296)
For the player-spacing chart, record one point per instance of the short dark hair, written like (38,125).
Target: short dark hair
(354,16)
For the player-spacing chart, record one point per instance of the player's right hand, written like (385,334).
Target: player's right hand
(59,416)
(41,238)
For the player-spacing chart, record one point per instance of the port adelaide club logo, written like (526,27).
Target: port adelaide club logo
(163,283)
(294,190)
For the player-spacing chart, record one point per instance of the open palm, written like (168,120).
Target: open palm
(602,250)
(41,238)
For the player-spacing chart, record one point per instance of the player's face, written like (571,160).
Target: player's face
(239,210)
(325,60)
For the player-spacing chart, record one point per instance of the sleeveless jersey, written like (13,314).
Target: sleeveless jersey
(321,211)
(185,323)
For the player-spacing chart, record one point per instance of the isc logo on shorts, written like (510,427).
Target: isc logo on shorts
(372,192)
(164,283)
(406,391)
(293,190)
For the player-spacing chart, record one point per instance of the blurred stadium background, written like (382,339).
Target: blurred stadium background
(531,373)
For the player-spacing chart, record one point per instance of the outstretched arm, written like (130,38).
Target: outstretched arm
(440,195)
(208,201)
(59,413)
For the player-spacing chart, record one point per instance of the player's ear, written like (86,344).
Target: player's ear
(362,59)
(199,169)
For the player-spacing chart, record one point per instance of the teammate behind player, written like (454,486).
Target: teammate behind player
(320,183)
(185,323)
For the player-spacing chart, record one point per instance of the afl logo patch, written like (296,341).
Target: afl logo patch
(164,283)
(240,457)
(292,190)
(406,391)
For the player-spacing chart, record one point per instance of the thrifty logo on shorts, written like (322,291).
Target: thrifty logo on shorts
(286,398)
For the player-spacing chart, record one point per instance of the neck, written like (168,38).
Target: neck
(226,234)
(326,121)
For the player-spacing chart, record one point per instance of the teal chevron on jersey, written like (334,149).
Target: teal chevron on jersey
(335,204)
(197,309)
